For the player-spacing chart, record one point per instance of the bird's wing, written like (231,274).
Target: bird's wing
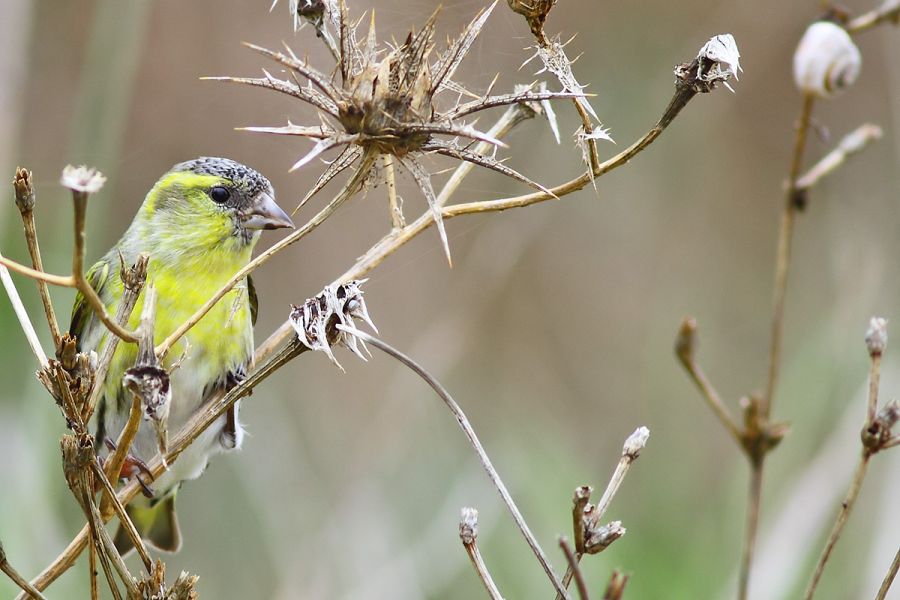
(82,314)
(254,301)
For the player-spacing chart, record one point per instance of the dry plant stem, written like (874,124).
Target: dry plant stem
(92,572)
(712,398)
(838,528)
(889,578)
(34,250)
(874,381)
(754,497)
(350,188)
(18,579)
(851,143)
(397,220)
(476,444)
(76,280)
(215,408)
(573,566)
(130,296)
(783,256)
(22,315)
(124,519)
(80,200)
(60,280)
(113,465)
(481,568)
(615,482)
(868,20)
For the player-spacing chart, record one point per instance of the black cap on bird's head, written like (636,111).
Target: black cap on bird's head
(244,190)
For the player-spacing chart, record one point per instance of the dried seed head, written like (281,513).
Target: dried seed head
(534,11)
(717,62)
(382,100)
(601,537)
(22,184)
(636,442)
(316,319)
(468,525)
(82,179)
(876,336)
(826,60)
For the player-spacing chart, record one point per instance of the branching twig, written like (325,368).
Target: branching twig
(590,537)
(83,182)
(889,11)
(875,433)
(850,144)
(685,347)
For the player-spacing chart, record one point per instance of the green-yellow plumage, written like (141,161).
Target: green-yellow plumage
(199,225)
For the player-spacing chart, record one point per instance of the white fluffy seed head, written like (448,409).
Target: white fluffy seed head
(826,60)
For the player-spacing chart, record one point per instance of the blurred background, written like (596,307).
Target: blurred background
(553,329)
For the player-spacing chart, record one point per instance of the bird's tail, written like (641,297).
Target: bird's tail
(157,524)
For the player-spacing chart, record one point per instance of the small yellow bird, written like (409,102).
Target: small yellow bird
(199,225)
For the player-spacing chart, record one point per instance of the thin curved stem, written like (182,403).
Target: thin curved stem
(783,257)
(475,443)
(889,578)
(754,497)
(838,527)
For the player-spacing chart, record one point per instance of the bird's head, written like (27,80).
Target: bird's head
(211,202)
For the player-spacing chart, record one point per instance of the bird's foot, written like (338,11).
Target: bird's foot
(134,467)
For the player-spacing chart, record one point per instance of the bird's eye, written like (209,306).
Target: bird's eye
(219,194)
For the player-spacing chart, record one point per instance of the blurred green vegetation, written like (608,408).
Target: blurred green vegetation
(553,329)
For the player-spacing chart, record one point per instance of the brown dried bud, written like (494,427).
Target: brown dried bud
(22,184)
(685,343)
(534,11)
(601,537)
(616,586)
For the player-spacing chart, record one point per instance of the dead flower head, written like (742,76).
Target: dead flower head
(382,101)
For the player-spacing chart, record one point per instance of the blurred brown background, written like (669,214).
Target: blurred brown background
(553,330)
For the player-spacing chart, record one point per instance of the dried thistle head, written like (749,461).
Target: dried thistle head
(534,11)
(383,101)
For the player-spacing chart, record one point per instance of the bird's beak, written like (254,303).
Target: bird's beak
(265,214)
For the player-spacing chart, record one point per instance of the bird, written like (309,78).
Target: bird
(199,224)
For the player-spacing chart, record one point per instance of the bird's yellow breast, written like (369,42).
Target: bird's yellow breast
(218,344)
